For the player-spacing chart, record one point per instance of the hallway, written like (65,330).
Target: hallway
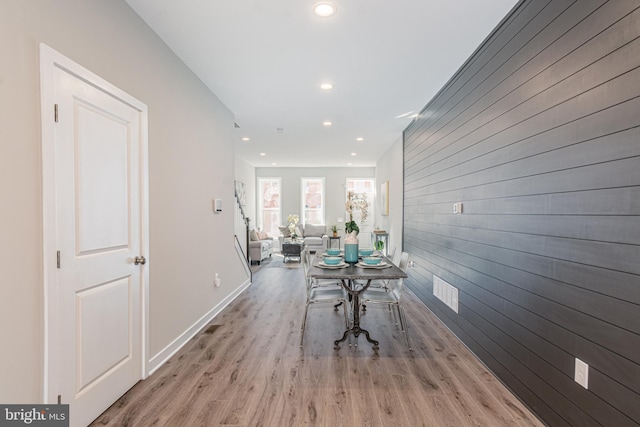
(247,369)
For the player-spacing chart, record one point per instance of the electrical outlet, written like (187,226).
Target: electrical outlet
(582,373)
(216,280)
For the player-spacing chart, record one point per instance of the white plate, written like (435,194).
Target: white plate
(382,264)
(341,264)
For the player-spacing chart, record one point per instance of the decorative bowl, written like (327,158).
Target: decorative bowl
(332,260)
(372,260)
(366,252)
(333,252)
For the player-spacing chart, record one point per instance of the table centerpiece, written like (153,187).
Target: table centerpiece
(356,202)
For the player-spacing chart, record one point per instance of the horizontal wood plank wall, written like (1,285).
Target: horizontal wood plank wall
(538,136)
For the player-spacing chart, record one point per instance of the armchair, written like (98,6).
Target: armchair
(260,246)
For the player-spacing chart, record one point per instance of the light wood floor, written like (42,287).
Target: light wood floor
(247,369)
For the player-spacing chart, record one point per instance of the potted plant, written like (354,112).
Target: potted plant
(350,226)
(334,229)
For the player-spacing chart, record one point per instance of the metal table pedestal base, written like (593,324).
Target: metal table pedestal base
(356,329)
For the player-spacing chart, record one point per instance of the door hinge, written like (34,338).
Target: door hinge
(58,259)
(55,113)
(59,399)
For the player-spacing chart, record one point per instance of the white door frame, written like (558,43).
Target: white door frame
(49,61)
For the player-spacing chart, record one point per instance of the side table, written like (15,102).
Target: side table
(331,239)
(292,249)
(384,238)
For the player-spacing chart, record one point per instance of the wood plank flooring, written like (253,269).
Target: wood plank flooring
(247,369)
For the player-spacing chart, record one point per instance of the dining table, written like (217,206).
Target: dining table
(355,278)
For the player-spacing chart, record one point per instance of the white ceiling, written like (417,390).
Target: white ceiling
(266,61)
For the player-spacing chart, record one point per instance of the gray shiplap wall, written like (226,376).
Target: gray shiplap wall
(538,135)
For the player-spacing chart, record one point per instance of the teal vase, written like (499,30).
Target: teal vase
(351,253)
(351,248)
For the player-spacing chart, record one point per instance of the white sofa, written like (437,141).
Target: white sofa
(314,236)
(260,248)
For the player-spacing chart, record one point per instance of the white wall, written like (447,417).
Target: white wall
(191,162)
(389,168)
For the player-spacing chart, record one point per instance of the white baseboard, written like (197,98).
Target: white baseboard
(165,354)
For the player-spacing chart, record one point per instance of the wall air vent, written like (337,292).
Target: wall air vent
(446,293)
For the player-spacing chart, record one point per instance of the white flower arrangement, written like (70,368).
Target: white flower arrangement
(356,202)
(293,220)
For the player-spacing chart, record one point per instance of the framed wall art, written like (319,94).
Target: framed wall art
(240,193)
(384,198)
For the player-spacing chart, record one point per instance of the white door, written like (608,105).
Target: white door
(99,198)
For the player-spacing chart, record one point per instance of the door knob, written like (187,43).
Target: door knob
(139,260)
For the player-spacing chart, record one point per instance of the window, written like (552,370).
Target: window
(312,201)
(363,187)
(269,205)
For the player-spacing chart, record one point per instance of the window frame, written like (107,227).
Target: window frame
(261,207)
(368,226)
(303,208)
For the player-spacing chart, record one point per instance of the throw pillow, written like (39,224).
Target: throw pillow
(263,235)
(311,230)
(285,231)
(253,235)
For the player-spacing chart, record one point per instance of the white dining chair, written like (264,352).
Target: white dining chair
(392,253)
(321,295)
(397,259)
(391,297)
(320,282)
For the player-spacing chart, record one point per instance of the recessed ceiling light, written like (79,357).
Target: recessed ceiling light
(324,9)
(327,123)
(349,164)
(245,138)
(354,154)
(326,86)
(263,154)
(273,164)
(359,139)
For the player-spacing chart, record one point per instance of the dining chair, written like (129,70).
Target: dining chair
(403,262)
(319,282)
(321,295)
(391,297)
(392,252)
(398,259)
